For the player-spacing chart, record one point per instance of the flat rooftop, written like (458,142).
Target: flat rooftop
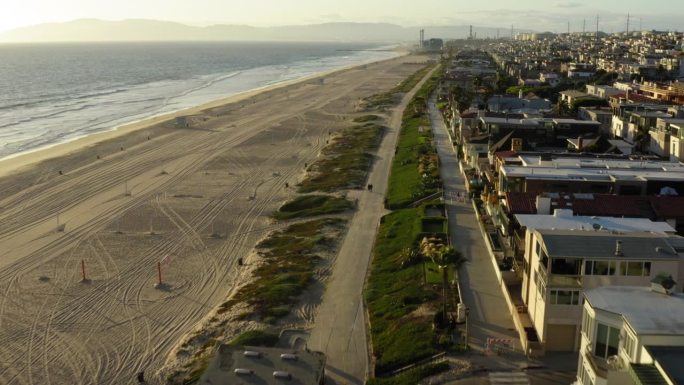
(646,311)
(564,220)
(307,369)
(588,169)
(575,244)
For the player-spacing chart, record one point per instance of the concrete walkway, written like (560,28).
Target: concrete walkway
(340,323)
(489,316)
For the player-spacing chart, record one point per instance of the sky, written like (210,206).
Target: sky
(540,15)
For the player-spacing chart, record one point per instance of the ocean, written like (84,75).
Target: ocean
(52,93)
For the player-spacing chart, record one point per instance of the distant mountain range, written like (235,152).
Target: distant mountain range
(153,30)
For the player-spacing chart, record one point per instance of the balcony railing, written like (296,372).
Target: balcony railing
(571,281)
(598,364)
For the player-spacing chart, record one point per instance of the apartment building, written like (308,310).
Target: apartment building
(560,265)
(632,336)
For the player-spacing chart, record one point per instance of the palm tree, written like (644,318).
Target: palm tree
(444,257)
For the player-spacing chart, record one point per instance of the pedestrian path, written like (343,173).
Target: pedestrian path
(508,378)
(488,316)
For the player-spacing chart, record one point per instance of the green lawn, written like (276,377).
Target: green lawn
(394,292)
(434,274)
(407,184)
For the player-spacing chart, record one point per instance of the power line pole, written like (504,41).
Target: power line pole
(627,22)
(597,30)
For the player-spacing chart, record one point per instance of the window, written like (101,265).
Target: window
(629,345)
(607,341)
(635,269)
(600,267)
(538,248)
(586,324)
(565,297)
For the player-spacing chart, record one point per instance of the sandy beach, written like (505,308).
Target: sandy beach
(115,204)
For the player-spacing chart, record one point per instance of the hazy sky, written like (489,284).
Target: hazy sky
(531,14)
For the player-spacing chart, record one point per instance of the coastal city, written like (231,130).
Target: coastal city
(342,203)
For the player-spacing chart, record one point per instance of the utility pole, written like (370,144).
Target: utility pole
(627,22)
(568,28)
(597,30)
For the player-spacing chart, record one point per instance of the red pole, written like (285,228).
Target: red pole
(83,269)
(159,272)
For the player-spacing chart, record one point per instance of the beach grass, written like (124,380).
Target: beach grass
(256,338)
(313,205)
(394,291)
(289,258)
(346,161)
(366,118)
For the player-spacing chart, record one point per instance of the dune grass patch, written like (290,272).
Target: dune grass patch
(313,205)
(288,261)
(346,161)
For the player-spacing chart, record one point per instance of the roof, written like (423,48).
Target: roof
(646,374)
(601,245)
(670,359)
(564,220)
(575,93)
(645,310)
(605,205)
(307,369)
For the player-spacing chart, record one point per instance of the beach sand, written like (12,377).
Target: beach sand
(118,203)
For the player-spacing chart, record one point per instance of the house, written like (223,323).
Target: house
(661,133)
(500,103)
(263,366)
(571,96)
(602,91)
(560,265)
(632,335)
(676,142)
(660,208)
(550,78)
(602,115)
(583,174)
(581,70)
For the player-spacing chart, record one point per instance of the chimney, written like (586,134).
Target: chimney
(618,248)
(543,205)
(580,143)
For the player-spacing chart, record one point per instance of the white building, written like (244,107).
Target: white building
(632,335)
(559,265)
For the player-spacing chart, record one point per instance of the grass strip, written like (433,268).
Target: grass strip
(313,205)
(415,167)
(394,291)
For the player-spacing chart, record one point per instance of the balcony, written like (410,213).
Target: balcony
(598,364)
(569,281)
